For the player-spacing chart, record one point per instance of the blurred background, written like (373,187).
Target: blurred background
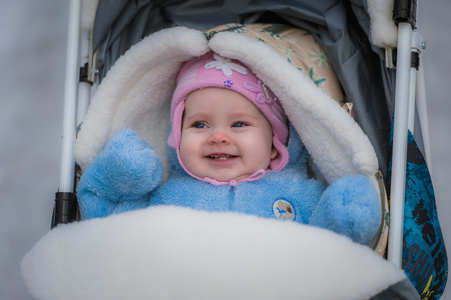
(32,69)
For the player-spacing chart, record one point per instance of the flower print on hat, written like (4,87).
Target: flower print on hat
(226,65)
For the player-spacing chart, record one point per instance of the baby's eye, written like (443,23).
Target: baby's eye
(239,124)
(199,125)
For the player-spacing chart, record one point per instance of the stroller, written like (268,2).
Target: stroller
(158,258)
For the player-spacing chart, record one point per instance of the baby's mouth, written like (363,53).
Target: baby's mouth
(220,156)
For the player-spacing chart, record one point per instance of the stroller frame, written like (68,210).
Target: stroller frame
(409,42)
(410,92)
(77,95)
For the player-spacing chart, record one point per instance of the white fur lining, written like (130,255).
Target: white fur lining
(384,32)
(137,90)
(168,253)
(337,144)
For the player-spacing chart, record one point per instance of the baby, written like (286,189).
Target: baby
(230,149)
(236,140)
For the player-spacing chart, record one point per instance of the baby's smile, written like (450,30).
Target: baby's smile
(220,156)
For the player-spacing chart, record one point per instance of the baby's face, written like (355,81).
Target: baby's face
(224,135)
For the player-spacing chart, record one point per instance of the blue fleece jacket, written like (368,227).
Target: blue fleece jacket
(126,176)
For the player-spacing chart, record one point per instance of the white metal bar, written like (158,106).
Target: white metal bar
(411,113)
(84,88)
(415,47)
(423,112)
(397,197)
(84,97)
(66,183)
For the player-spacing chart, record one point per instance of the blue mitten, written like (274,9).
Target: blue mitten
(120,178)
(351,207)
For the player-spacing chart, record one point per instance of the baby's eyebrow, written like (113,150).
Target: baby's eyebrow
(197,115)
(244,115)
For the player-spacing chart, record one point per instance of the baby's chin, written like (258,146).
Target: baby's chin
(226,178)
(241,177)
(229,178)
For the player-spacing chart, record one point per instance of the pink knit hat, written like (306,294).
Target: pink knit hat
(213,70)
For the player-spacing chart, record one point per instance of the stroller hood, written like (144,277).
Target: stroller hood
(137,91)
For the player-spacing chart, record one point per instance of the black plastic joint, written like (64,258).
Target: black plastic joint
(415,60)
(84,72)
(65,206)
(405,11)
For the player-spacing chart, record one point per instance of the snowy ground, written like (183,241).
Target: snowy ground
(32,62)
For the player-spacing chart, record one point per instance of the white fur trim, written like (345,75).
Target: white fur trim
(334,140)
(168,253)
(384,32)
(137,91)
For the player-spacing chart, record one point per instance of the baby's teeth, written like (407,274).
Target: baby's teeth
(219,157)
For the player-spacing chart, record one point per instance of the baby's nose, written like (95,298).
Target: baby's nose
(219,136)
